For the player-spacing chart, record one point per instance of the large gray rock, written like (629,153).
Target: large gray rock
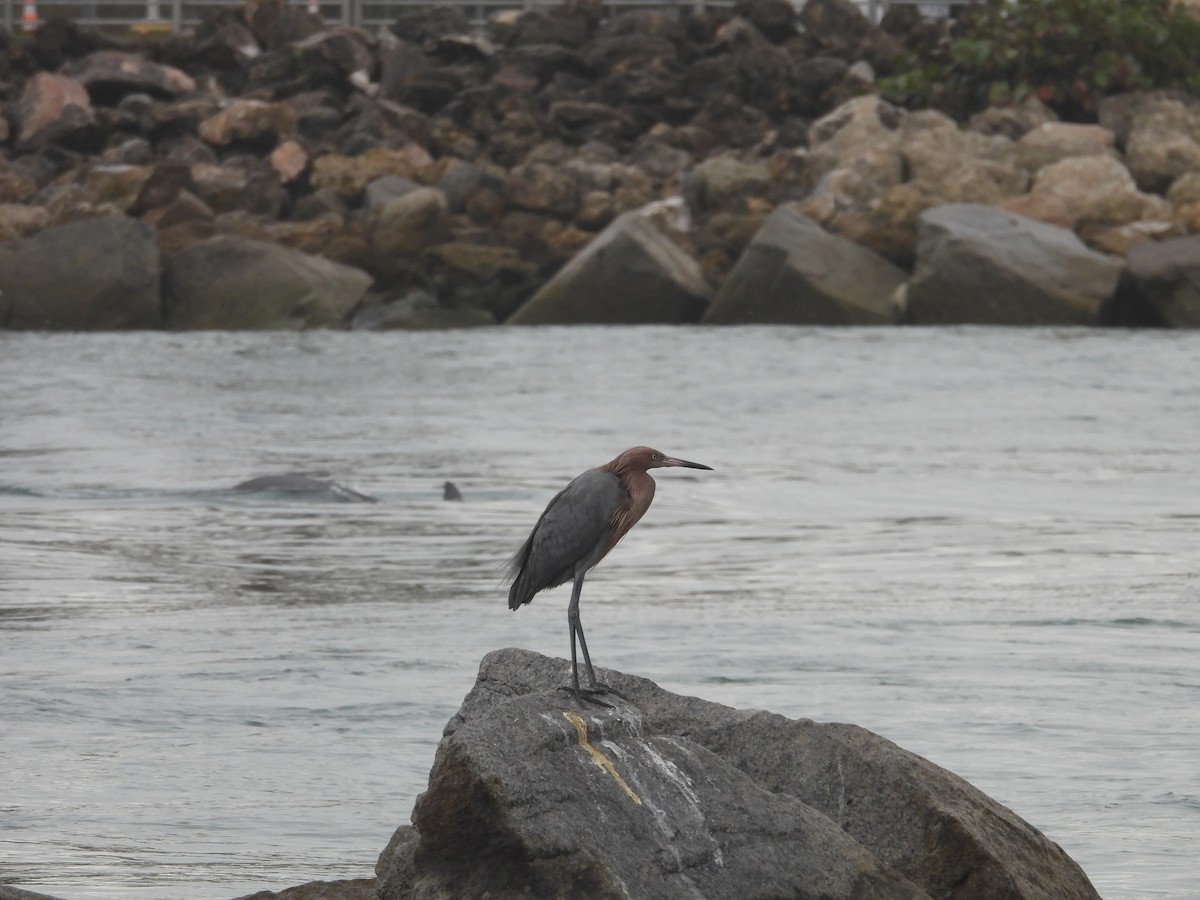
(349,889)
(977,264)
(234,283)
(1160,285)
(94,274)
(7,892)
(534,795)
(795,272)
(630,274)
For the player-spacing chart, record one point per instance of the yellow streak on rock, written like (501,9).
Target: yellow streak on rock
(598,756)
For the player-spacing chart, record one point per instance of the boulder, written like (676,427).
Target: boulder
(1053,141)
(303,486)
(660,795)
(95,274)
(862,126)
(408,223)
(109,75)
(1163,139)
(1097,189)
(52,108)
(1160,285)
(795,272)
(231,283)
(253,121)
(8,892)
(978,264)
(724,180)
(630,274)
(348,889)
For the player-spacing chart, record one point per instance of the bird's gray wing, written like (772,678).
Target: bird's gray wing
(573,529)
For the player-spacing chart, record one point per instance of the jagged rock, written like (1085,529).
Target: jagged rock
(110,74)
(347,49)
(349,176)
(1164,144)
(232,283)
(724,180)
(18,220)
(795,272)
(1097,189)
(405,225)
(1052,142)
(978,264)
(774,19)
(50,108)
(1012,120)
(249,120)
(542,187)
(664,796)
(865,126)
(630,274)
(1160,285)
(1184,197)
(99,273)
(386,188)
(492,277)
(959,166)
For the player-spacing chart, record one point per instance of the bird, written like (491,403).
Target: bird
(578,528)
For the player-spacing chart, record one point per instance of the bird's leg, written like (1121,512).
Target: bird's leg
(589,693)
(594,687)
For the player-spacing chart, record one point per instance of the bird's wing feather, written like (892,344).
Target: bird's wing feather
(573,530)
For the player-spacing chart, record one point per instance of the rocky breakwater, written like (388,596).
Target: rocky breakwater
(566,165)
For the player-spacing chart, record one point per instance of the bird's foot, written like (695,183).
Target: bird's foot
(600,687)
(588,695)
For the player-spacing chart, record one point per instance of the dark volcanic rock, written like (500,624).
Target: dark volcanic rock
(96,274)
(666,796)
(109,75)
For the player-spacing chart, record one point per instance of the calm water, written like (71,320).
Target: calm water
(981,544)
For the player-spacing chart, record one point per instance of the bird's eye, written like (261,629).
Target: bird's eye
(656,456)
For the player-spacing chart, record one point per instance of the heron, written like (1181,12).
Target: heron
(578,528)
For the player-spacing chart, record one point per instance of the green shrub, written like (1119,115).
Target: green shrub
(1070,53)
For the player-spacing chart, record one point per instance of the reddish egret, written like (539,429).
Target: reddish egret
(577,530)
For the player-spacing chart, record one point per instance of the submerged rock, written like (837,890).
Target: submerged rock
(660,795)
(314,488)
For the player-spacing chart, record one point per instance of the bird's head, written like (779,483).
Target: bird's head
(642,459)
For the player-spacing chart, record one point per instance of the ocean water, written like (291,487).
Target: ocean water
(979,543)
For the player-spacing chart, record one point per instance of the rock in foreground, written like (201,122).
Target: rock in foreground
(534,795)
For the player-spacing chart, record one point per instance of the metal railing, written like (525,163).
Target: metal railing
(151,15)
(172,15)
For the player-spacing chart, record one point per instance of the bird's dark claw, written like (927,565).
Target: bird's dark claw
(601,688)
(588,695)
